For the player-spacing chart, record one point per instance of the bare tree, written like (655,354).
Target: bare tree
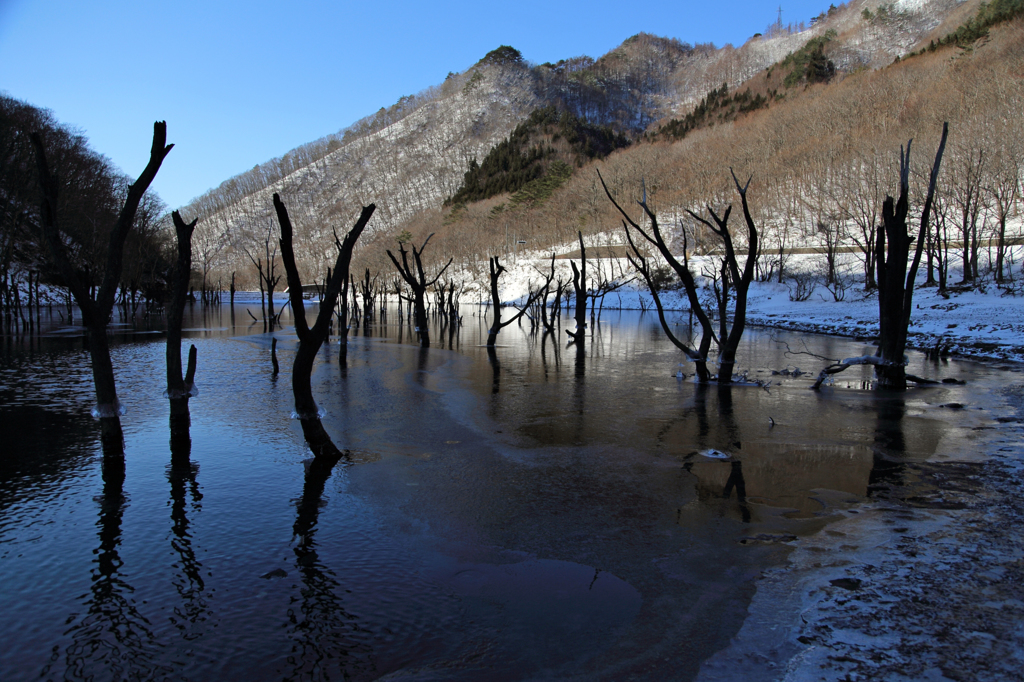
(895,279)
(418,282)
(740,280)
(699,355)
(496,324)
(311,338)
(731,277)
(96,310)
(179,389)
(208,244)
(968,175)
(268,277)
(579,285)
(861,201)
(1003,188)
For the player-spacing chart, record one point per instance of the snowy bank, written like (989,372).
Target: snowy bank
(984,321)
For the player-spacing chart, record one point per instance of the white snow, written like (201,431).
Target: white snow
(983,321)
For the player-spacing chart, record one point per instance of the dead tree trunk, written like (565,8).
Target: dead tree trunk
(342,315)
(96,310)
(178,390)
(895,281)
(699,355)
(728,341)
(417,281)
(496,324)
(547,317)
(579,286)
(369,293)
(740,280)
(311,338)
(268,282)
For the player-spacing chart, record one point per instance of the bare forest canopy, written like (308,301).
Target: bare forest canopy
(90,194)
(508,148)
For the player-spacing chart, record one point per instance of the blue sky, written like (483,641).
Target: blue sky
(243,82)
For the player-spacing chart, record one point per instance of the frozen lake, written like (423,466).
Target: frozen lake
(550,516)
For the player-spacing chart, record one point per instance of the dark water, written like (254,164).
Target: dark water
(544,516)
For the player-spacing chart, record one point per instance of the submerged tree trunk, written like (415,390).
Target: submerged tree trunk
(420,317)
(108,408)
(178,391)
(740,281)
(97,306)
(895,279)
(342,316)
(732,278)
(579,286)
(311,338)
(417,281)
(496,324)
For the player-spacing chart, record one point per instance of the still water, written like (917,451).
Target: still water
(538,514)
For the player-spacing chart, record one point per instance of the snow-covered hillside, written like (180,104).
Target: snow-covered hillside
(408,159)
(412,164)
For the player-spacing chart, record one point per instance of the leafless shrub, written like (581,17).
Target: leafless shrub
(801,285)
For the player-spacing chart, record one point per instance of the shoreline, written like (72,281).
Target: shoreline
(906,586)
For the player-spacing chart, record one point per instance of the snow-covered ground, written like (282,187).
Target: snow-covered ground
(983,321)
(928,589)
(894,593)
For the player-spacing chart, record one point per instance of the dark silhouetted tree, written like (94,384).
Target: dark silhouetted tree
(311,338)
(416,278)
(96,310)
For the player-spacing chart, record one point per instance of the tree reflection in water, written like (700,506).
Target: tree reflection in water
(328,643)
(888,465)
(727,439)
(188,579)
(113,640)
(544,355)
(492,358)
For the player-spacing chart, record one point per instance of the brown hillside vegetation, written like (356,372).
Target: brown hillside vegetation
(822,157)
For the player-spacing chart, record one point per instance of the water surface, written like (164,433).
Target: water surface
(539,513)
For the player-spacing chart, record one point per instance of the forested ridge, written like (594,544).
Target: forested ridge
(533,151)
(821,144)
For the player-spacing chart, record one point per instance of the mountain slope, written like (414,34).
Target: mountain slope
(412,157)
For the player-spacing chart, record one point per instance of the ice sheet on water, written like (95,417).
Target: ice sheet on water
(108,410)
(320,413)
(871,360)
(192,392)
